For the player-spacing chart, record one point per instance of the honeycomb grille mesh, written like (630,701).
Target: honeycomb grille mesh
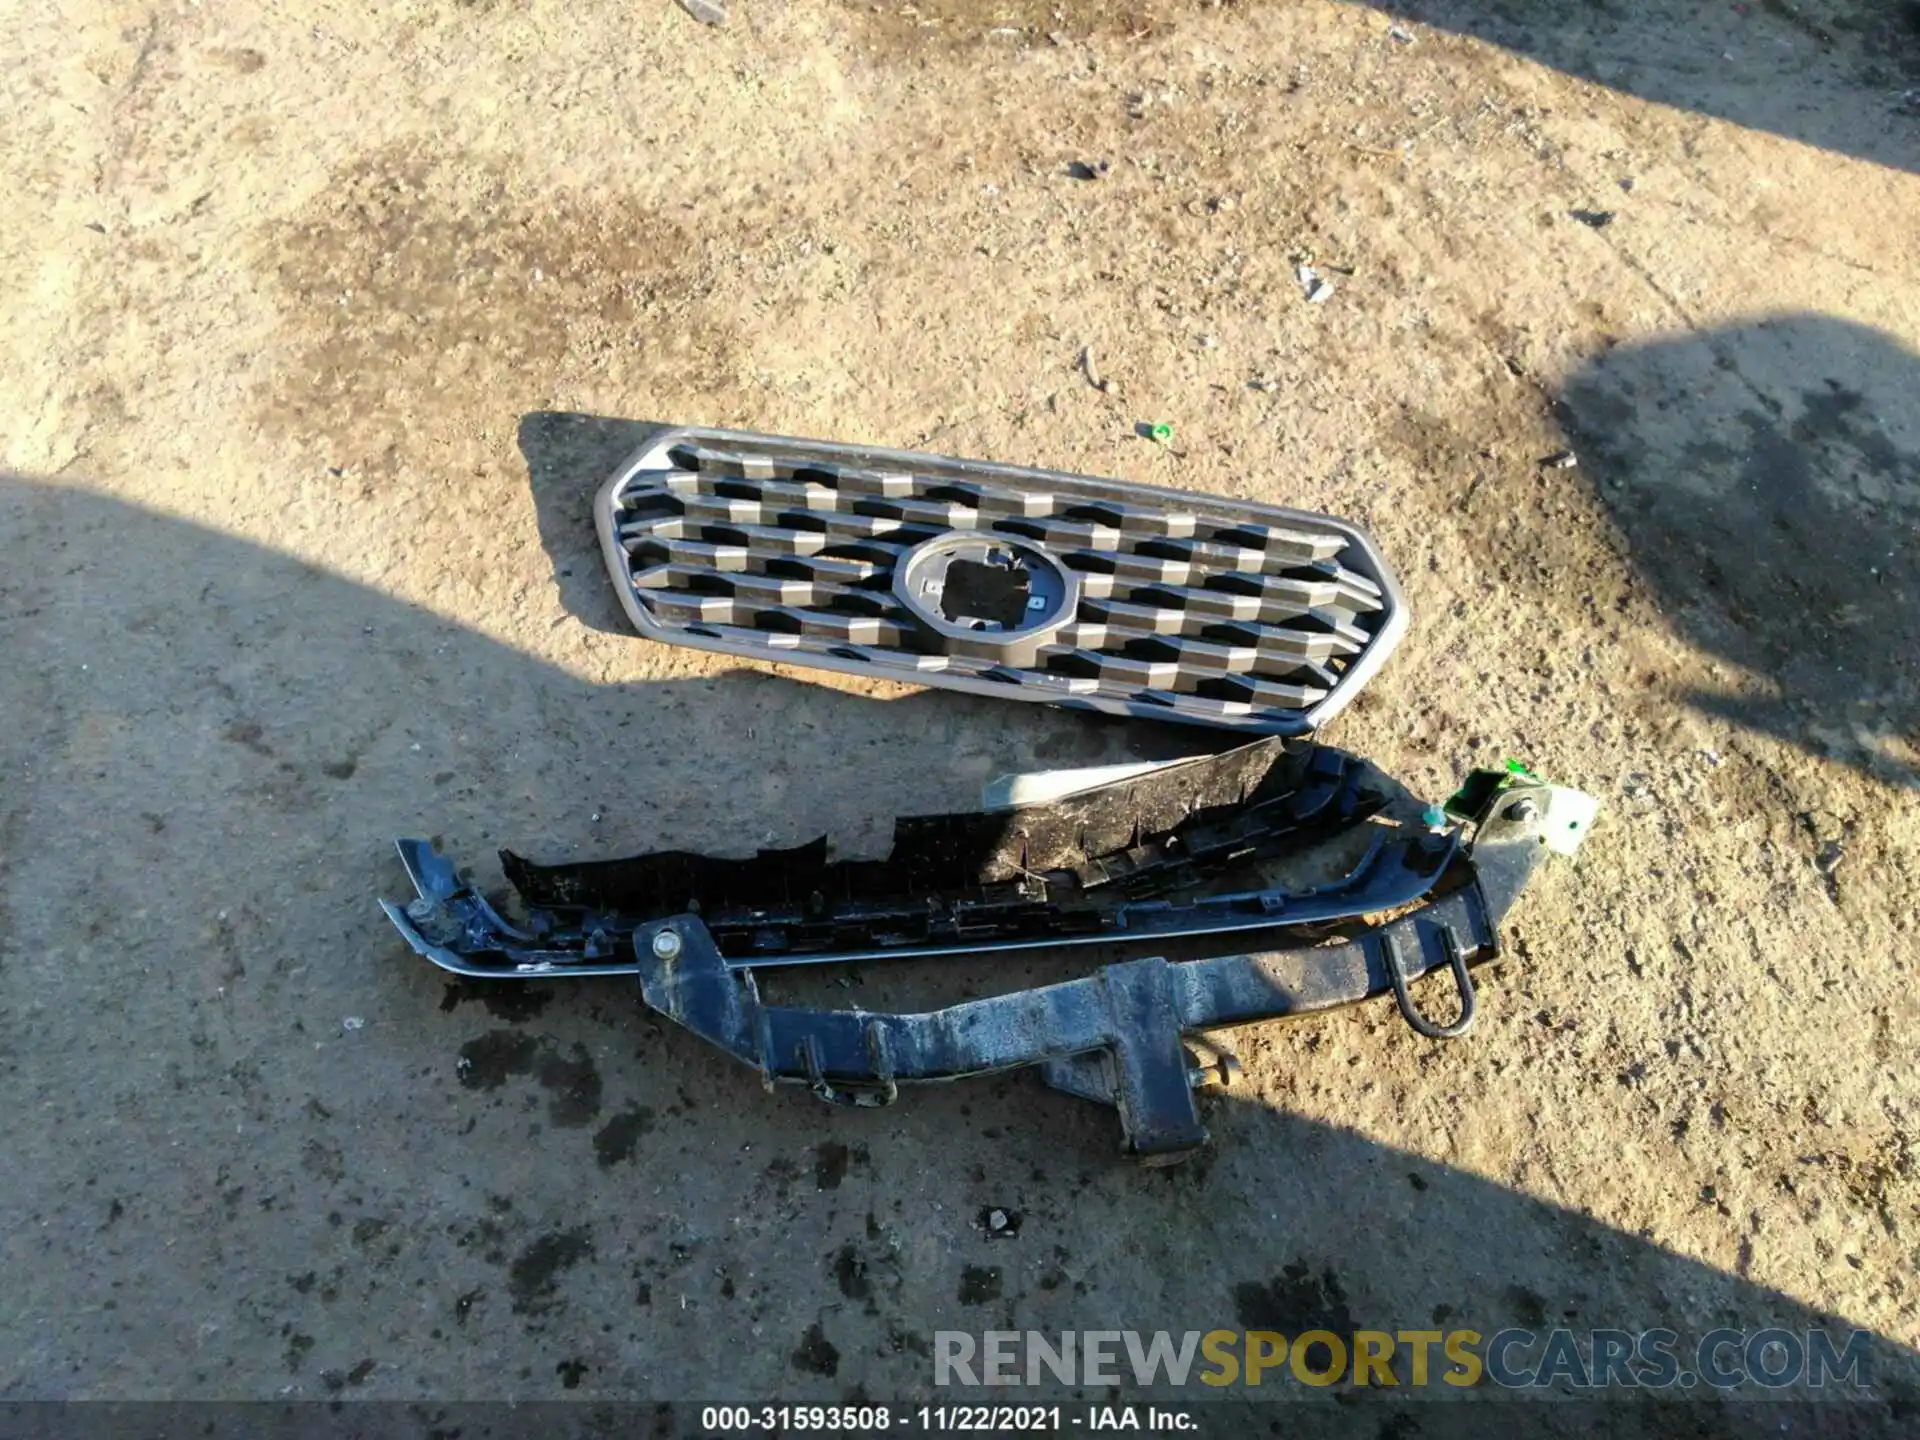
(1189,606)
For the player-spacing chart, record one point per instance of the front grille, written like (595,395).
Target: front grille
(1025,584)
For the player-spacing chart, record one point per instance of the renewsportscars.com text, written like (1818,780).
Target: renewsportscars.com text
(1600,1359)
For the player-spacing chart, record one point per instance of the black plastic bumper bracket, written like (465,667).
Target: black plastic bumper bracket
(1118,1035)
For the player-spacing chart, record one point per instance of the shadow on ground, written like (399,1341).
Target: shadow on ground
(1766,481)
(569,457)
(1829,73)
(258,1149)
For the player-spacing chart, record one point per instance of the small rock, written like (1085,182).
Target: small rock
(1081,170)
(999,1222)
(1056,37)
(1399,34)
(1593,219)
(707,12)
(1830,855)
(1094,377)
(1316,287)
(1560,460)
(352,1022)
(1909,104)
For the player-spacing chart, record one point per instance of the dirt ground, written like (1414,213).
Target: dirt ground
(322,323)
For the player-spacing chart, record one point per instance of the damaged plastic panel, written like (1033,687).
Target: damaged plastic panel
(1093,866)
(694,930)
(1175,851)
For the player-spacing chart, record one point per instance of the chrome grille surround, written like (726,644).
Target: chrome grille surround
(1174,606)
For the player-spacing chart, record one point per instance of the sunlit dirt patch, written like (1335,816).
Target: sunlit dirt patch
(424,295)
(903,30)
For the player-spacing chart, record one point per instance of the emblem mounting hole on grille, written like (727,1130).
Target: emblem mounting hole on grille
(993,594)
(992,597)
